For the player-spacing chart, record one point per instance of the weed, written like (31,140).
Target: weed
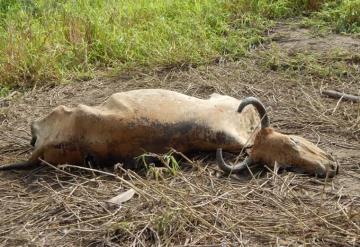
(171,165)
(169,161)
(338,16)
(4,91)
(332,64)
(166,222)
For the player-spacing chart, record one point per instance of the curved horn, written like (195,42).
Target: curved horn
(265,122)
(231,169)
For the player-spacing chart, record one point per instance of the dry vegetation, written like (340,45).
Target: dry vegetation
(195,205)
(192,208)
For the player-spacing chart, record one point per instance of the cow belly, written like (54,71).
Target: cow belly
(132,139)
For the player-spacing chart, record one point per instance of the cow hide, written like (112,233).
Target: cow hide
(130,123)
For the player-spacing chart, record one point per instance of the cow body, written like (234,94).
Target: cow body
(130,123)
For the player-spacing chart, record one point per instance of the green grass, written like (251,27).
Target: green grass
(338,16)
(168,161)
(334,64)
(47,41)
(4,90)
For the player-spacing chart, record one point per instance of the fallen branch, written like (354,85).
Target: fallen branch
(339,95)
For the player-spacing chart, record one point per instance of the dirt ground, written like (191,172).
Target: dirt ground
(198,206)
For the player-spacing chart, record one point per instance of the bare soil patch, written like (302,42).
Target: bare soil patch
(197,206)
(293,38)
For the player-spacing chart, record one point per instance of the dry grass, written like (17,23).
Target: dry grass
(192,208)
(195,206)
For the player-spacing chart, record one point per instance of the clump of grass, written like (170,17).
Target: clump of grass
(339,16)
(170,165)
(332,64)
(4,91)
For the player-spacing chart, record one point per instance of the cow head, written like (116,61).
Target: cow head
(271,147)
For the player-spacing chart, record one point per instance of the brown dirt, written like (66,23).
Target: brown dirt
(195,207)
(305,40)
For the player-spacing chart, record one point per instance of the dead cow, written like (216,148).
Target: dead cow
(130,123)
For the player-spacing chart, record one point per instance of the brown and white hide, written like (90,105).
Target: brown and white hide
(130,123)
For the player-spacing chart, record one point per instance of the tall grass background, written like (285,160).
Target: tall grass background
(47,41)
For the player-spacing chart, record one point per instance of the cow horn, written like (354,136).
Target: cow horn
(231,169)
(265,122)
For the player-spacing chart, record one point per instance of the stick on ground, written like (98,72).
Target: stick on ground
(338,95)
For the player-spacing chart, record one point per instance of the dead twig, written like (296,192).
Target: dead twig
(343,96)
